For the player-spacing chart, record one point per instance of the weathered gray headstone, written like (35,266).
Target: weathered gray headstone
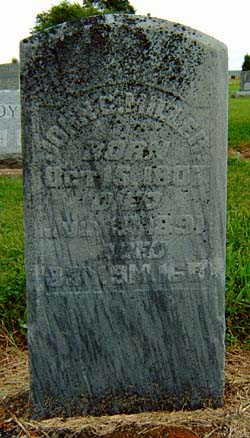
(244,85)
(245,81)
(9,76)
(124,135)
(10,143)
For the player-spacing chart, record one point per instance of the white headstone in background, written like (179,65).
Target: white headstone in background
(9,76)
(10,143)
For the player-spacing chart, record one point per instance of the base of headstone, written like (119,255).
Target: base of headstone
(241,94)
(10,161)
(127,403)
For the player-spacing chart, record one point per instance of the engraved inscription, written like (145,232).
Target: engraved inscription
(169,224)
(118,150)
(131,274)
(169,112)
(10,141)
(157,225)
(133,201)
(164,110)
(71,228)
(127,201)
(124,175)
(8,111)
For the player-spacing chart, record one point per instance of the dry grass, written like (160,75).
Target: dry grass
(243,154)
(14,375)
(233,421)
(11,171)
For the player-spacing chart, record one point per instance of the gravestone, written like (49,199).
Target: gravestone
(245,81)
(244,85)
(124,135)
(9,76)
(10,143)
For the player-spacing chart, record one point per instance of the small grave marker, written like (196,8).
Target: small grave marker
(245,81)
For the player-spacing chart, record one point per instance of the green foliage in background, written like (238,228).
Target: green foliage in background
(66,11)
(120,6)
(239,119)
(246,63)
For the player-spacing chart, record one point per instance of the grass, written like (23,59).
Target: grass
(12,276)
(238,251)
(239,119)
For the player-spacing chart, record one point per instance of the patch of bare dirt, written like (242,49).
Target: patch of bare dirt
(240,154)
(11,171)
(233,421)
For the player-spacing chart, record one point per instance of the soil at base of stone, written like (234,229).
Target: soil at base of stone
(233,421)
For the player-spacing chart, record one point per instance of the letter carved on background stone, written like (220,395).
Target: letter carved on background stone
(10,143)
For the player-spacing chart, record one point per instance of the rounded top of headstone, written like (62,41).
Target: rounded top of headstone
(149,24)
(120,48)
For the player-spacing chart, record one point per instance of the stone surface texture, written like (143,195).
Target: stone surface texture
(10,142)
(9,76)
(124,134)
